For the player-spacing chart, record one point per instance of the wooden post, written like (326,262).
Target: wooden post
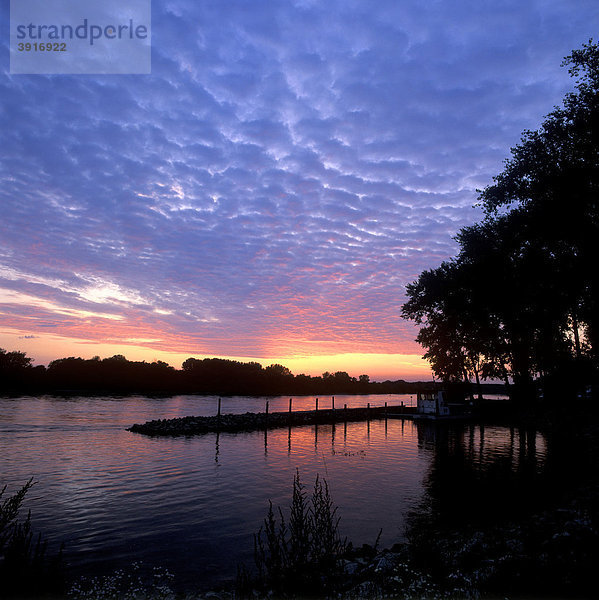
(333,402)
(290,405)
(345,413)
(368,411)
(385,410)
(316,403)
(266,416)
(218,412)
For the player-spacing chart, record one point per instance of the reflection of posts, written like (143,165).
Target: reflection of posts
(531,447)
(289,441)
(333,438)
(217,447)
(482,439)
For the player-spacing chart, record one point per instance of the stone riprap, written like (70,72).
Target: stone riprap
(254,421)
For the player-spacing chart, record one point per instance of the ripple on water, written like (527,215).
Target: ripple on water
(192,504)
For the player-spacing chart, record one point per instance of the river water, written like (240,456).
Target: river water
(192,504)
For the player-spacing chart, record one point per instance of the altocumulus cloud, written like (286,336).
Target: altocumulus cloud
(286,169)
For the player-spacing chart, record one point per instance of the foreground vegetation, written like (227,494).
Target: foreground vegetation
(544,542)
(521,299)
(26,569)
(538,551)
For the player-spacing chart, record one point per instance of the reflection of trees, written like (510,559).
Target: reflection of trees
(477,475)
(509,510)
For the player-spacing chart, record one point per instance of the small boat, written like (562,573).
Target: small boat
(435,406)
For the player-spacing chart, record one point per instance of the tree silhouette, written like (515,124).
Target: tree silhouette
(521,298)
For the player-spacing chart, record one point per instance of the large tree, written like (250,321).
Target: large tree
(553,176)
(524,285)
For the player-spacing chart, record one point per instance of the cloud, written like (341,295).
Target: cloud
(280,177)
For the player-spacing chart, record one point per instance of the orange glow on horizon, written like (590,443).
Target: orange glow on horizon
(47,347)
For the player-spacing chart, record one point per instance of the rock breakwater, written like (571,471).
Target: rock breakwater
(255,421)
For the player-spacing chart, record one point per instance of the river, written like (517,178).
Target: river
(192,504)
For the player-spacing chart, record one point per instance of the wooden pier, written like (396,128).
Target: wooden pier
(268,420)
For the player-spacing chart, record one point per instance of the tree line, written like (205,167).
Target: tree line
(519,302)
(219,376)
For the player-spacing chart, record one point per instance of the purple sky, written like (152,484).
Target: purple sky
(274,184)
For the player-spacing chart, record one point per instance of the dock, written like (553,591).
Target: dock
(265,420)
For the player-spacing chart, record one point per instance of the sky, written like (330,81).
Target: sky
(268,191)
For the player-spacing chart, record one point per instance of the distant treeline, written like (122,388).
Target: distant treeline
(117,375)
(520,301)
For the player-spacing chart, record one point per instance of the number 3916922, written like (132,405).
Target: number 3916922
(42,47)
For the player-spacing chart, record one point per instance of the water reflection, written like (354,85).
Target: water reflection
(114,497)
(479,474)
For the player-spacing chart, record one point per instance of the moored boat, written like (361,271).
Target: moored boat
(437,406)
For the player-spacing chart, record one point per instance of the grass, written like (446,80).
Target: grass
(26,570)
(301,555)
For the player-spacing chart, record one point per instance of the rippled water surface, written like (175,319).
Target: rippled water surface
(192,504)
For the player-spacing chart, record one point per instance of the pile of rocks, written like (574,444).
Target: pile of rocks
(254,421)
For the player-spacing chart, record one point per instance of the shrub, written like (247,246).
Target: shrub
(25,569)
(302,556)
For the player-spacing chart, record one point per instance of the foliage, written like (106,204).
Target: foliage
(521,298)
(15,369)
(301,556)
(25,568)
(117,375)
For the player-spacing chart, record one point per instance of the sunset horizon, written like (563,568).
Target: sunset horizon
(299,299)
(270,188)
(379,367)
